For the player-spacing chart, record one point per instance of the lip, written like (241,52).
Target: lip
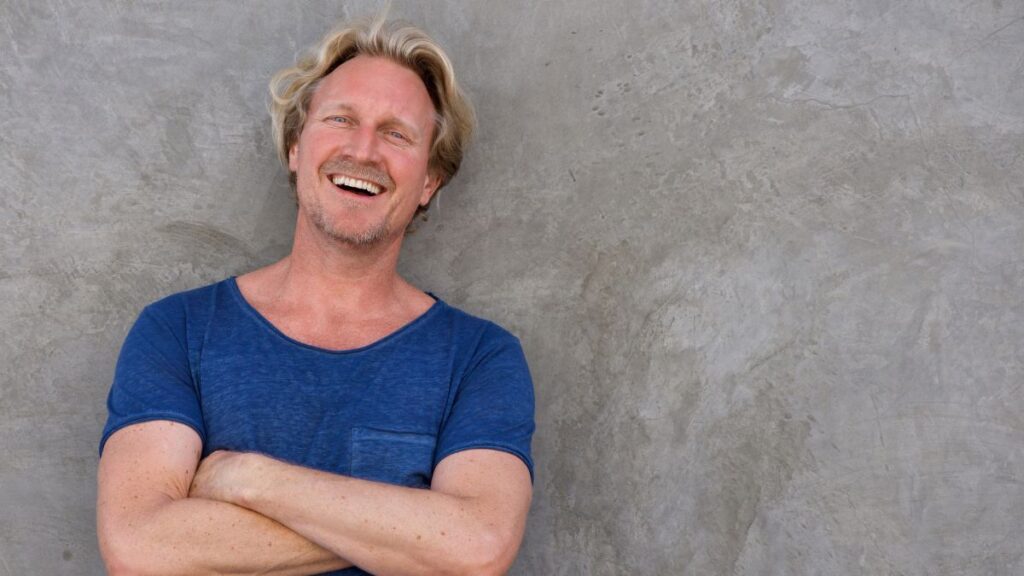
(383,189)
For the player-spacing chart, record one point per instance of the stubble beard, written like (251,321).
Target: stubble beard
(372,236)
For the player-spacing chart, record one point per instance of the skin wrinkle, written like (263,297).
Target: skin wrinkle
(367,238)
(341,272)
(362,141)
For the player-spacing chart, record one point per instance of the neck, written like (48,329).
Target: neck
(328,274)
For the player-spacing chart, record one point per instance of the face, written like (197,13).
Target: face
(361,158)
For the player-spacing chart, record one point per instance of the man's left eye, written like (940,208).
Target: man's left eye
(397,135)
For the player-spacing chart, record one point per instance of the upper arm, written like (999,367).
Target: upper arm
(493,403)
(153,379)
(483,451)
(497,485)
(143,467)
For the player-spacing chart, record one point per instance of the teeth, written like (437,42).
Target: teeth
(353,183)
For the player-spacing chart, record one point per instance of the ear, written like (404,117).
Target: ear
(433,182)
(293,157)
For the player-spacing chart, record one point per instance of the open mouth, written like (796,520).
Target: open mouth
(356,186)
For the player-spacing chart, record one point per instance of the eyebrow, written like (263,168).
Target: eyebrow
(391,120)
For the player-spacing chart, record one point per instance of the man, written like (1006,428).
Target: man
(322,415)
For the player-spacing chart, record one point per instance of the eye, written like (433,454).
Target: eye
(397,135)
(341,120)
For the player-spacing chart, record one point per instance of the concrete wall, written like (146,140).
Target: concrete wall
(765,258)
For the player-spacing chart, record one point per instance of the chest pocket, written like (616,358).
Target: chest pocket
(403,458)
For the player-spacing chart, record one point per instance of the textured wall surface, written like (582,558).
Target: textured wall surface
(766,258)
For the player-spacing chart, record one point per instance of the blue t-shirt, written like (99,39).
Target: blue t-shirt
(389,411)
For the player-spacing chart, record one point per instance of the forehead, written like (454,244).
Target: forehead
(376,86)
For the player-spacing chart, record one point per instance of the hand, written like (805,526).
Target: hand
(222,476)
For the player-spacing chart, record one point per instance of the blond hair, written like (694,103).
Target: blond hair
(291,89)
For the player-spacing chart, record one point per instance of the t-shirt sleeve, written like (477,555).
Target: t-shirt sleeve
(153,380)
(494,404)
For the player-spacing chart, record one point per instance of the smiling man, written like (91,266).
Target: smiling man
(321,414)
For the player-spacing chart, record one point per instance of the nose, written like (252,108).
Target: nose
(363,145)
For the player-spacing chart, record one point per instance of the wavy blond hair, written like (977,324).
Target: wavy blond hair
(291,89)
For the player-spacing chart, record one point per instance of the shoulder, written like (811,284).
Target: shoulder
(480,345)
(186,315)
(186,303)
(469,328)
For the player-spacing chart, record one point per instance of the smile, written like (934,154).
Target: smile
(356,186)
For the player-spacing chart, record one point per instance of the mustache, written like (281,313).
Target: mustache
(361,171)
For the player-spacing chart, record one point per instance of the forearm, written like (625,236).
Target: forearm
(382,528)
(198,536)
(385,529)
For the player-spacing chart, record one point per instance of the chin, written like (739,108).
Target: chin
(364,237)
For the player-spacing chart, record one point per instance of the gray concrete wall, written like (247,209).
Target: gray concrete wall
(765,258)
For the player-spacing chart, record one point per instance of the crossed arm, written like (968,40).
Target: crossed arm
(161,510)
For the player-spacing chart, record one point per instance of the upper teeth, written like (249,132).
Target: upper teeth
(353,183)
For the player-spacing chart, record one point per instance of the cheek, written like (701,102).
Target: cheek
(306,151)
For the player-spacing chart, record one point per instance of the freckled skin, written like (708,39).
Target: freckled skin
(234,501)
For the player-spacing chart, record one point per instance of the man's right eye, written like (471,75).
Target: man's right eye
(338,119)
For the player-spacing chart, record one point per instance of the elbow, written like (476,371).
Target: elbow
(126,563)
(116,567)
(117,562)
(120,559)
(130,547)
(129,565)
(123,556)
(113,550)
(491,555)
